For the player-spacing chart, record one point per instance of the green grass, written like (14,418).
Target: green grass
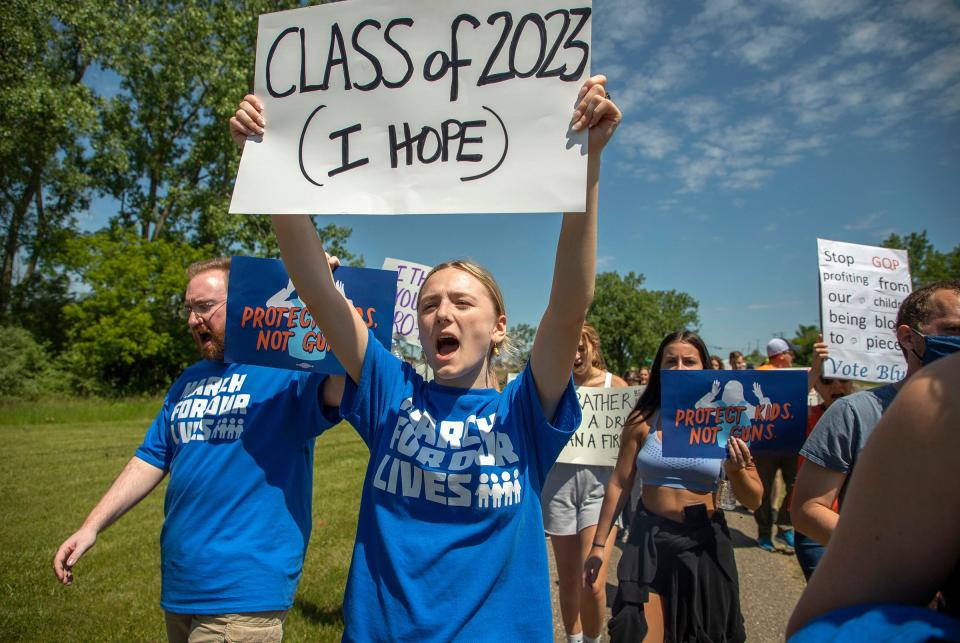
(57,461)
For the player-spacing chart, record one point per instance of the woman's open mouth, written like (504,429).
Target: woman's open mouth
(447,345)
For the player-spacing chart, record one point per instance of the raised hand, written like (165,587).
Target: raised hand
(596,111)
(248,121)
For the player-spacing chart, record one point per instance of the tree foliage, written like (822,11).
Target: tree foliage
(125,335)
(803,342)
(125,102)
(521,339)
(48,49)
(632,320)
(927,264)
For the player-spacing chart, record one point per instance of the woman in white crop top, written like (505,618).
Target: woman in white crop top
(679,540)
(571,499)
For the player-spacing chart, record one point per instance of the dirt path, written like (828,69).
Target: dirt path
(770,584)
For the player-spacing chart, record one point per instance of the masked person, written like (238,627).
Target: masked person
(928,327)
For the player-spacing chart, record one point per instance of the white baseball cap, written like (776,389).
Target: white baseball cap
(778,345)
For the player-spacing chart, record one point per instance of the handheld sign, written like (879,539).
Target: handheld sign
(410,276)
(605,410)
(268,325)
(419,106)
(700,410)
(861,289)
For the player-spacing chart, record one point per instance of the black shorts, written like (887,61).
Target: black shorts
(691,566)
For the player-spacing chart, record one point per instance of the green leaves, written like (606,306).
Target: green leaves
(927,264)
(124,334)
(632,320)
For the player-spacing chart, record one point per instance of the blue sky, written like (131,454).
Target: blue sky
(750,129)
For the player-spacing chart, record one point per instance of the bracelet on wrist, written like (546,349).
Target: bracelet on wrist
(600,546)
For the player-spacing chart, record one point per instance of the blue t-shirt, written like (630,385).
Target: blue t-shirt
(450,538)
(237,441)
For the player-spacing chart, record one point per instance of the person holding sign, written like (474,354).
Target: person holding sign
(450,536)
(572,495)
(928,327)
(237,441)
(677,577)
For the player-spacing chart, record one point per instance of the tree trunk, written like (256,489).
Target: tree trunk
(13,237)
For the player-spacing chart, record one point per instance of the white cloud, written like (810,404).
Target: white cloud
(936,70)
(875,37)
(605,261)
(865,222)
(937,13)
(647,139)
(765,44)
(948,103)
(698,112)
(806,10)
(747,179)
(695,173)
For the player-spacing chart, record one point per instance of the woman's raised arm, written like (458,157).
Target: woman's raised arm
(307,263)
(574,270)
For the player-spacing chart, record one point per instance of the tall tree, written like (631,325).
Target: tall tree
(125,335)
(927,264)
(632,320)
(44,116)
(163,151)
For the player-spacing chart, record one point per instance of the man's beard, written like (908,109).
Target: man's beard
(213,349)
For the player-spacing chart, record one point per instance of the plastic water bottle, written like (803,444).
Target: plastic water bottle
(725,498)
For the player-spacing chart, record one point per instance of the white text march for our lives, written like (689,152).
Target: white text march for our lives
(861,289)
(418,106)
(268,324)
(701,410)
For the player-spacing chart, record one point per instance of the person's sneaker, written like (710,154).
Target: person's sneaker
(785,536)
(766,543)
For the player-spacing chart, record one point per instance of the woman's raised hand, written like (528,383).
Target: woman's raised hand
(248,121)
(596,111)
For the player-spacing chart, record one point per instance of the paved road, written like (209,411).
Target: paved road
(770,584)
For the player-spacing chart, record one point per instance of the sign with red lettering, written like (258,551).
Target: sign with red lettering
(861,289)
(418,106)
(700,410)
(268,324)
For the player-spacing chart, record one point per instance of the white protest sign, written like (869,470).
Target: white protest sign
(861,289)
(605,410)
(419,106)
(410,276)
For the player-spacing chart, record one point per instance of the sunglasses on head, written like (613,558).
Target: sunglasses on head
(827,381)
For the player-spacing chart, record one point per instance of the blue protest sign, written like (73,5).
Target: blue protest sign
(701,409)
(268,324)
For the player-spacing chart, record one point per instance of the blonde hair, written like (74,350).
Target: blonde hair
(593,337)
(505,349)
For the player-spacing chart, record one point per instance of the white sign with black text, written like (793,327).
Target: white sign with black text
(418,106)
(605,410)
(861,289)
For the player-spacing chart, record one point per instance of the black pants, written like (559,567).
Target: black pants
(767,466)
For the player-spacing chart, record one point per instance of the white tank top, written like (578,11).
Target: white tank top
(608,379)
